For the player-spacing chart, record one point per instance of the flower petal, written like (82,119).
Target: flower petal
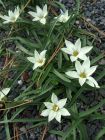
(48,105)
(16,12)
(42,54)
(86,63)
(78,44)
(73,58)
(38,9)
(58,117)
(64,112)
(31,59)
(69,44)
(66,50)
(10,13)
(85,50)
(54,98)
(36,54)
(51,116)
(4,17)
(5,91)
(61,103)
(45,112)
(33,14)
(92,80)
(45,10)
(5,22)
(82,81)
(82,56)
(78,67)
(43,20)
(36,65)
(91,70)
(72,74)
(36,19)
(66,13)
(90,83)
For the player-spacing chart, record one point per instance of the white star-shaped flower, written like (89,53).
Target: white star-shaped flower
(75,51)
(40,14)
(55,109)
(63,17)
(4,92)
(83,73)
(12,16)
(38,59)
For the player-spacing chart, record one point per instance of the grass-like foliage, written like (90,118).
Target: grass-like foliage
(43,50)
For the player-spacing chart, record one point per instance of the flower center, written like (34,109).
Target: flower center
(55,108)
(83,75)
(40,61)
(41,16)
(13,18)
(75,53)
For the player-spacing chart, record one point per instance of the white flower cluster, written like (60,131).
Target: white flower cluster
(83,71)
(40,15)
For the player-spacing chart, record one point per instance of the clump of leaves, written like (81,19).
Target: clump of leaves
(45,60)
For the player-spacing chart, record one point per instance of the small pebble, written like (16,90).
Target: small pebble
(20,82)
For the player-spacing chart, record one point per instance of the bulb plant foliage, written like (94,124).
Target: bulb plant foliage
(51,65)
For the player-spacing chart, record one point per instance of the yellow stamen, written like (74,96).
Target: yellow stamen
(83,75)
(75,53)
(55,108)
(13,18)
(40,61)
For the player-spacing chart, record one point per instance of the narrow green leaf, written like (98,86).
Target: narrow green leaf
(7,128)
(22,120)
(2,3)
(91,110)
(24,50)
(83,131)
(45,73)
(100,134)
(61,76)
(96,59)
